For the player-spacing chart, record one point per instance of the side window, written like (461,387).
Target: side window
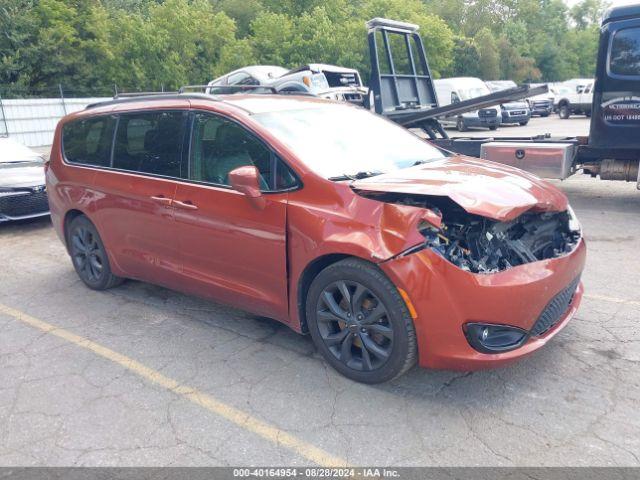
(248,81)
(625,52)
(220,146)
(89,141)
(239,78)
(151,142)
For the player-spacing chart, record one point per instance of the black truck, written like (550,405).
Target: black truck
(401,89)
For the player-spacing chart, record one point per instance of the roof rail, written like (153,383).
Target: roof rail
(208,88)
(140,94)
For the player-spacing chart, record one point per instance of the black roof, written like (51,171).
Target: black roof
(621,13)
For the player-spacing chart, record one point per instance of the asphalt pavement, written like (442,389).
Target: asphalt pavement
(143,376)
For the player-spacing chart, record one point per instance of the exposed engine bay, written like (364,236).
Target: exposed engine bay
(481,245)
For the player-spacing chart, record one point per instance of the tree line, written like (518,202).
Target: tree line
(90,46)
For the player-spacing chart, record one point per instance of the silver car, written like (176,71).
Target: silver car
(23,193)
(325,81)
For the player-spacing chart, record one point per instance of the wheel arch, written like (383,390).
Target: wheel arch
(68,218)
(311,271)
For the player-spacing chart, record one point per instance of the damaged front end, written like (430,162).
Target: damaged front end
(482,245)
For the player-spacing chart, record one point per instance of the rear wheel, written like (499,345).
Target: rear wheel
(89,256)
(460,125)
(564,112)
(493,128)
(522,124)
(545,115)
(360,323)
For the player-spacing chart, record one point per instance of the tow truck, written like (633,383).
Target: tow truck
(401,89)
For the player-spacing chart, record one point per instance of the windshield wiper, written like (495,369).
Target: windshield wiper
(355,176)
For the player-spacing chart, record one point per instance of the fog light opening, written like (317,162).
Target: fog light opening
(488,338)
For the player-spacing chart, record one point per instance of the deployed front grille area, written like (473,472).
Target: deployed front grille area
(23,204)
(555,310)
(488,112)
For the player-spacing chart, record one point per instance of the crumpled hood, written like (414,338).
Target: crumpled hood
(483,188)
(18,175)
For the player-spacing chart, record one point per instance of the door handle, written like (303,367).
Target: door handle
(186,205)
(161,199)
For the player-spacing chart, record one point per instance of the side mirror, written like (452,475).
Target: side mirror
(246,180)
(580,89)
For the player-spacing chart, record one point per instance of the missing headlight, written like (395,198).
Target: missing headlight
(481,245)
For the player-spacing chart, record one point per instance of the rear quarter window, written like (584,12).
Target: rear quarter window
(88,142)
(625,53)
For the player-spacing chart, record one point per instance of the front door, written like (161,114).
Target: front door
(233,250)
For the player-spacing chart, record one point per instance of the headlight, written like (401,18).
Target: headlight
(574,223)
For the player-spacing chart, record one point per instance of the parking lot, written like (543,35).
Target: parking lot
(576,125)
(140,375)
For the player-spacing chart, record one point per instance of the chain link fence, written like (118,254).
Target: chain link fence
(30,116)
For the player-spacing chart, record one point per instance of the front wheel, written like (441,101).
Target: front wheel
(89,256)
(360,323)
(460,125)
(522,124)
(564,112)
(493,128)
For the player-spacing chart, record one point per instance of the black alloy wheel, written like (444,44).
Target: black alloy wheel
(354,325)
(89,256)
(360,323)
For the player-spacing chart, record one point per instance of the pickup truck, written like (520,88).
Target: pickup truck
(576,100)
(612,149)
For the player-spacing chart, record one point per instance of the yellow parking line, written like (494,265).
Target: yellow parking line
(605,298)
(206,401)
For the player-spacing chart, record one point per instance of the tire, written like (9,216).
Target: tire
(545,115)
(564,112)
(522,124)
(461,126)
(493,128)
(588,114)
(89,256)
(368,337)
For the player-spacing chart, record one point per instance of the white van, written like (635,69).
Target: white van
(453,90)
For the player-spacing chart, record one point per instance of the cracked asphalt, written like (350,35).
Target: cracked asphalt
(574,403)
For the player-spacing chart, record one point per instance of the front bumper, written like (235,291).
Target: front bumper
(541,109)
(23,204)
(485,122)
(446,298)
(510,117)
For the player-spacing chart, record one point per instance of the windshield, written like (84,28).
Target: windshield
(339,140)
(473,92)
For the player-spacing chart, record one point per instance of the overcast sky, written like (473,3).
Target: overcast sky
(614,3)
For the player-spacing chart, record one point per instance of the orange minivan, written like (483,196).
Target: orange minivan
(386,249)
